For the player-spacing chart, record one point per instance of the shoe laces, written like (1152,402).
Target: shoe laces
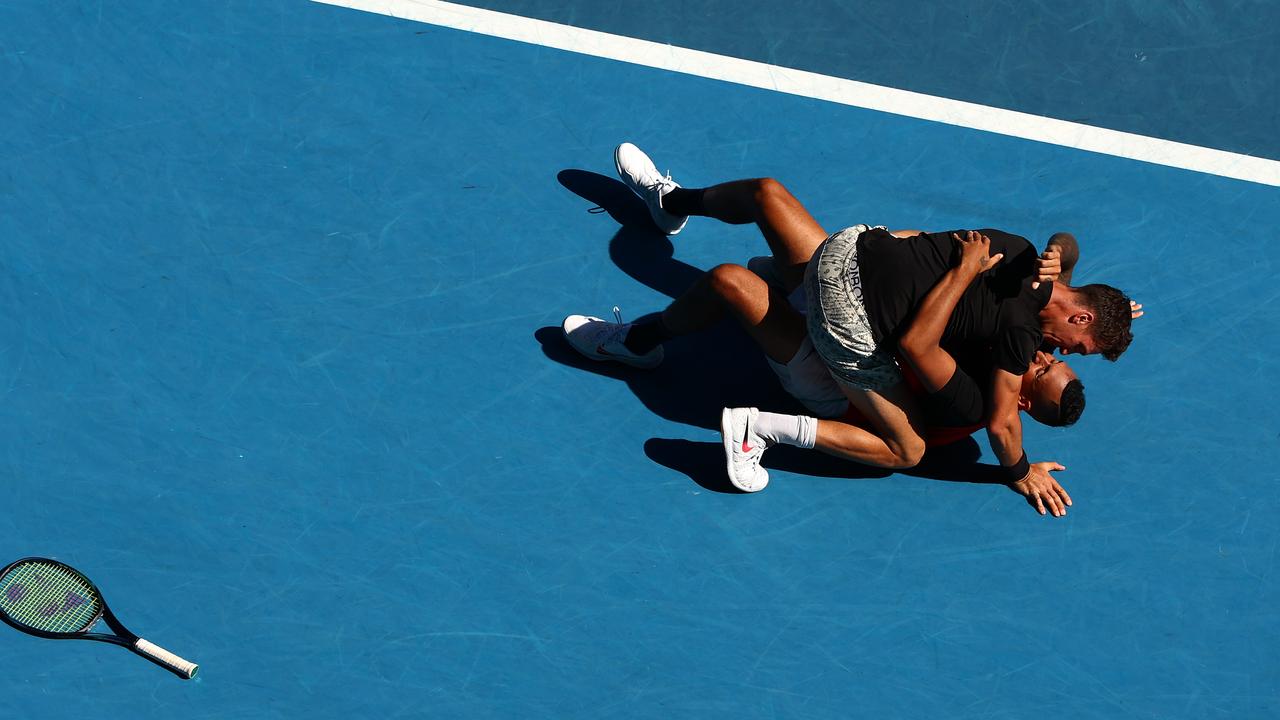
(660,183)
(618,333)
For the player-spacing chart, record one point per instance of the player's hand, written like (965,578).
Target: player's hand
(1042,491)
(1135,309)
(1048,266)
(975,253)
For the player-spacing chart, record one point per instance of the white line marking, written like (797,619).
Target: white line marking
(823,87)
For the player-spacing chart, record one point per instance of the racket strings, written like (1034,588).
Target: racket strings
(48,598)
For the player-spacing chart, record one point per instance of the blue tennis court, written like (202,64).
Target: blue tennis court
(282,372)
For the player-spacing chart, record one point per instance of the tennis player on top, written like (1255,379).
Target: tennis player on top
(861,286)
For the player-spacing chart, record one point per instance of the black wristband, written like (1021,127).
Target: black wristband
(1018,470)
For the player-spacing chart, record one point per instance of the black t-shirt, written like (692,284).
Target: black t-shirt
(998,311)
(961,402)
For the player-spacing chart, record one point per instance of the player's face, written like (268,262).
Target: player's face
(1070,334)
(1043,383)
(1072,340)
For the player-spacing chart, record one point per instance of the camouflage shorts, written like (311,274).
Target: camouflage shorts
(838,323)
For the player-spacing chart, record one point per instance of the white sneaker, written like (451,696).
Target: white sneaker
(602,340)
(642,176)
(743,449)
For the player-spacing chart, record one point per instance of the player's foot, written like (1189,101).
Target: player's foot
(743,449)
(642,176)
(603,340)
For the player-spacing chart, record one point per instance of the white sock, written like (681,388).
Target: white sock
(798,430)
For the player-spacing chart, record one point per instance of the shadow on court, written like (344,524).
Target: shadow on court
(704,373)
(610,196)
(700,375)
(704,463)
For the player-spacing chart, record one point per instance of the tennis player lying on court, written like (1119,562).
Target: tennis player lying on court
(952,401)
(953,404)
(944,381)
(795,237)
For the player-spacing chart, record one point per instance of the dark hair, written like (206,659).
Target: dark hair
(1071,404)
(1111,318)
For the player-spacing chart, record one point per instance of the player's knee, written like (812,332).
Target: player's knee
(908,453)
(769,191)
(729,281)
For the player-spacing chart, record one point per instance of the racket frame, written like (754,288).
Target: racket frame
(123,637)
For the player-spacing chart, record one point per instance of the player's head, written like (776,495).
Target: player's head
(1051,392)
(1087,320)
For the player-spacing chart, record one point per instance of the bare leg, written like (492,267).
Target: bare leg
(793,236)
(734,290)
(897,440)
(792,233)
(779,330)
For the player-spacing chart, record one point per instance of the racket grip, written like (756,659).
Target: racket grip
(165,659)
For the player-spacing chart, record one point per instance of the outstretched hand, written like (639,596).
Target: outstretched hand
(1042,491)
(975,252)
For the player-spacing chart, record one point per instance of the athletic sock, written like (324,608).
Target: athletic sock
(798,430)
(684,201)
(645,335)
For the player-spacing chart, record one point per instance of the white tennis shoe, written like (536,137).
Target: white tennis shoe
(603,340)
(743,449)
(642,176)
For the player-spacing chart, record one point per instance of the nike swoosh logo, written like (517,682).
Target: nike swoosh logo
(601,351)
(745,447)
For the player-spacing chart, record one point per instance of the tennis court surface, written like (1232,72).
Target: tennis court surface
(281,370)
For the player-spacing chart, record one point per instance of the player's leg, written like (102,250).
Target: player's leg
(806,378)
(895,443)
(791,232)
(842,333)
(780,330)
(896,439)
(739,293)
(726,290)
(789,229)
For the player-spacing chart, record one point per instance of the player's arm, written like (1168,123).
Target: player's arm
(1060,256)
(921,344)
(1065,250)
(1058,262)
(1004,430)
(1004,427)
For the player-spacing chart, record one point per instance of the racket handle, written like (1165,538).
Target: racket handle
(165,659)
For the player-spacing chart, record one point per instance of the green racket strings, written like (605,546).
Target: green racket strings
(48,598)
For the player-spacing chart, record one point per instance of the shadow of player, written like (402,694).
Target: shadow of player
(704,463)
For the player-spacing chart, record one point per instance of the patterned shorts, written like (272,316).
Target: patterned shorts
(837,318)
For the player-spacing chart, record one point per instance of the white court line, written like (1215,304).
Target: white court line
(823,87)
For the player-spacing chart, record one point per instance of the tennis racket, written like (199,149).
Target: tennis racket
(53,600)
